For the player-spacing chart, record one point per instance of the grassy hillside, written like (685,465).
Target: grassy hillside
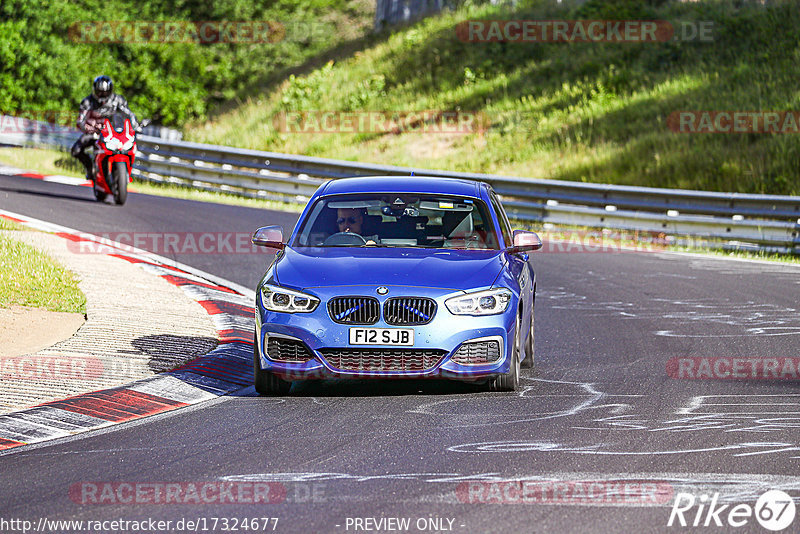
(581,111)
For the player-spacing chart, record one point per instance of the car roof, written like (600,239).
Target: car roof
(405,184)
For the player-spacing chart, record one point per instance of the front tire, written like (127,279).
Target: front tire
(267,383)
(119,171)
(510,380)
(529,347)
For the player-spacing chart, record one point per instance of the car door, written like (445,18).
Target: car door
(518,265)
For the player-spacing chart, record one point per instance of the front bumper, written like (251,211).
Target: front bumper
(445,334)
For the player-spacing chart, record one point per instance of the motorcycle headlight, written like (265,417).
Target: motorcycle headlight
(279,299)
(485,302)
(127,145)
(113,143)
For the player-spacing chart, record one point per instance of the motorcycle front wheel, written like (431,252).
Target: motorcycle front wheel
(119,172)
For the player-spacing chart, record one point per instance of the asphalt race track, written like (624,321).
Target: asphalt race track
(599,407)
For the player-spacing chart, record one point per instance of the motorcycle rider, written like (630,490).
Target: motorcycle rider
(103,102)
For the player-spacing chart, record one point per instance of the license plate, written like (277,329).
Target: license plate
(382,336)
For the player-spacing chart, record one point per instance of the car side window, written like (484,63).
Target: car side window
(505,226)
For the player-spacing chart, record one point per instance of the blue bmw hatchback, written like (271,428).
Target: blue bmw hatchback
(396,277)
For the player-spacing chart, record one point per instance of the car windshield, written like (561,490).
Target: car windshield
(398,220)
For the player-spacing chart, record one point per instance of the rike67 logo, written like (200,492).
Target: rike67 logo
(774,510)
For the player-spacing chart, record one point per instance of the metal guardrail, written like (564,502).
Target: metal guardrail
(771,221)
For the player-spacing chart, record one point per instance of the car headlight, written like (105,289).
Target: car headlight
(279,299)
(112,143)
(486,302)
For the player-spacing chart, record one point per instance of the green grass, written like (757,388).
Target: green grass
(742,254)
(583,111)
(5,224)
(187,193)
(42,160)
(29,277)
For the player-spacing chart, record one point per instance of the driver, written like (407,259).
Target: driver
(352,220)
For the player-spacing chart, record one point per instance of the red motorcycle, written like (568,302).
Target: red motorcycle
(114,154)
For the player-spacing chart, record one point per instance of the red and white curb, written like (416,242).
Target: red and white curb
(56,178)
(225,369)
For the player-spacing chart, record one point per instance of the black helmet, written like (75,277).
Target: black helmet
(102,87)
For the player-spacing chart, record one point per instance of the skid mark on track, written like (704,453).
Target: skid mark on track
(607,449)
(759,414)
(688,317)
(732,413)
(459,413)
(728,413)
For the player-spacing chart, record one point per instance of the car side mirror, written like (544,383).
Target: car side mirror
(524,241)
(269,236)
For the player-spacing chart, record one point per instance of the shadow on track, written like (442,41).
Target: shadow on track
(166,351)
(52,195)
(382,388)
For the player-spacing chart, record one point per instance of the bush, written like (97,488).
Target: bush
(45,67)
